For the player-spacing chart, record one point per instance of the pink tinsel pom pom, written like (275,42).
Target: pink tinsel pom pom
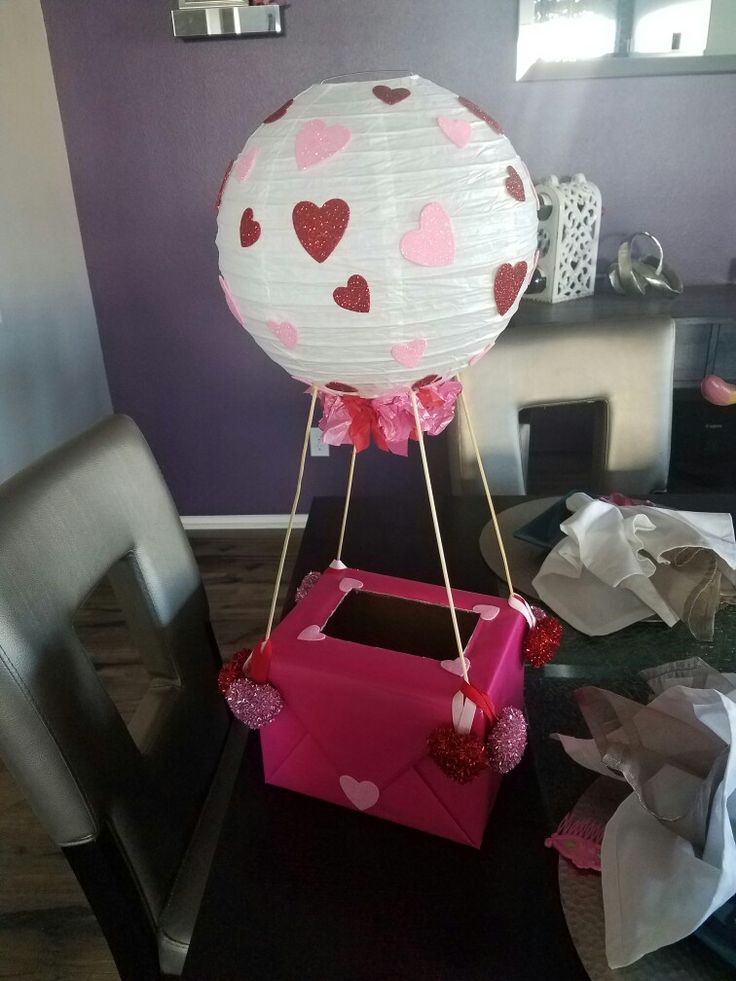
(507,741)
(254,704)
(311,579)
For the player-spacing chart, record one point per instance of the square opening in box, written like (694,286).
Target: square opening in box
(398,624)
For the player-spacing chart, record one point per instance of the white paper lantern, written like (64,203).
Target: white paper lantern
(373,234)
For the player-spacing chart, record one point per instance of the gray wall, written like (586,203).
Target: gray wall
(151,123)
(52,378)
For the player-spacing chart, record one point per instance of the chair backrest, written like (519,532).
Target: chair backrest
(626,364)
(98,505)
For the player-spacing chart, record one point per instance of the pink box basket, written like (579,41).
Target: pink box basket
(356,718)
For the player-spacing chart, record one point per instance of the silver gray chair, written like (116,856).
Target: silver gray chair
(627,364)
(136,809)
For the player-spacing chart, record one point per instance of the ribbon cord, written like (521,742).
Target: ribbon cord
(438,536)
(348,494)
(290,525)
(487,490)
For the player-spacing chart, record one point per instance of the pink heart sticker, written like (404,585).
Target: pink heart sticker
(347,584)
(455,667)
(311,633)
(361,794)
(486,612)
(433,243)
(316,141)
(231,304)
(286,333)
(244,165)
(458,131)
(409,354)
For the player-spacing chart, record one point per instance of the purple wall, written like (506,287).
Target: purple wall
(151,122)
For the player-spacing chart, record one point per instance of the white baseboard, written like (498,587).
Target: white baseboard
(213,523)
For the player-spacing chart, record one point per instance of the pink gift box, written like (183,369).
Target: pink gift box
(360,697)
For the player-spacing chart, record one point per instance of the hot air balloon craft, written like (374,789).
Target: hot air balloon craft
(375,238)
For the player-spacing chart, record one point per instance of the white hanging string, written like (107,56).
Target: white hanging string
(290,525)
(438,536)
(348,494)
(486,488)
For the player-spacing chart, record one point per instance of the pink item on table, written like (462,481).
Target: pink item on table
(357,716)
(717,391)
(579,841)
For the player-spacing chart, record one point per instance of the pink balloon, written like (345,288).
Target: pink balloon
(717,391)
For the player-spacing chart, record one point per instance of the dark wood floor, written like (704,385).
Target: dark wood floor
(47,932)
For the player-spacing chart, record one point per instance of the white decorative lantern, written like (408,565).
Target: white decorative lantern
(569,225)
(375,234)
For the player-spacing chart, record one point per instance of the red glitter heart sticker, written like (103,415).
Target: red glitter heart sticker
(250,230)
(480,113)
(515,185)
(279,113)
(507,283)
(319,230)
(355,296)
(218,200)
(390,96)
(340,387)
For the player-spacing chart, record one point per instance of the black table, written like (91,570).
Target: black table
(300,889)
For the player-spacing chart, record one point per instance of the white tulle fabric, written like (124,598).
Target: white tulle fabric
(423,320)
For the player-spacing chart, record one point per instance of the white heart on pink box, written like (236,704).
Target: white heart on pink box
(347,584)
(312,632)
(361,793)
(456,666)
(486,612)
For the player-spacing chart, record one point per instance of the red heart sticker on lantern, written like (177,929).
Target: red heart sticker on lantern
(319,230)
(507,283)
(250,230)
(356,296)
(481,114)
(515,185)
(390,96)
(279,113)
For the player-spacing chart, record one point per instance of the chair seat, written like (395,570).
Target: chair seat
(179,915)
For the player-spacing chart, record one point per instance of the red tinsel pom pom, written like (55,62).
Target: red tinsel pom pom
(461,756)
(507,741)
(233,670)
(543,640)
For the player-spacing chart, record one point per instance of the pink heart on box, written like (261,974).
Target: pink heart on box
(433,243)
(316,141)
(245,164)
(409,354)
(311,633)
(286,333)
(361,794)
(455,667)
(458,131)
(347,584)
(486,612)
